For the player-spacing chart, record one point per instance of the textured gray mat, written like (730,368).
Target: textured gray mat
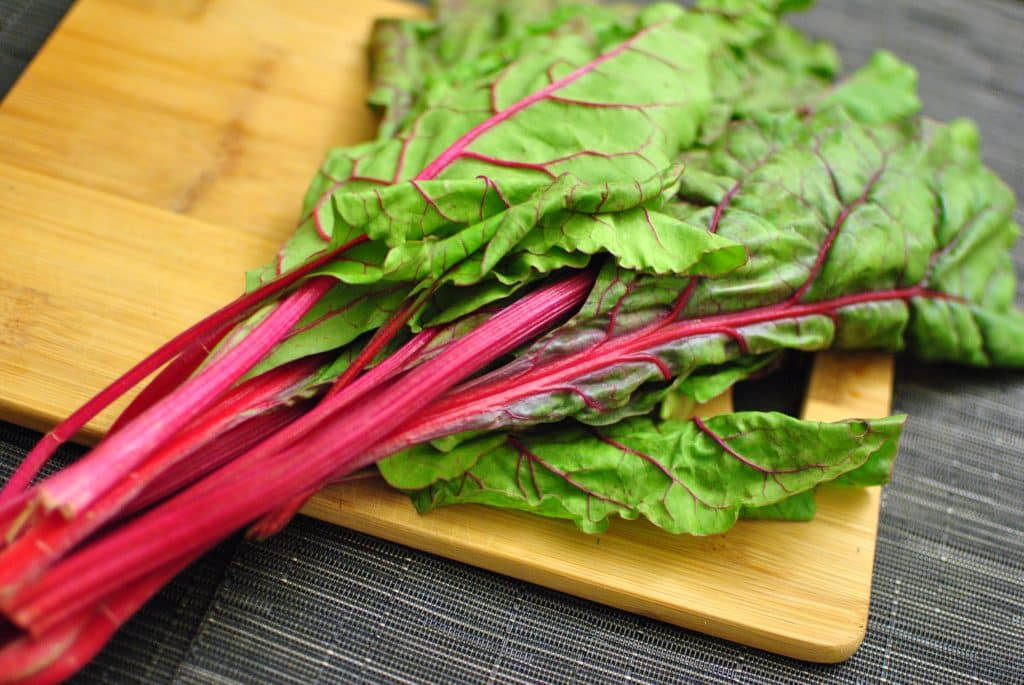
(319,603)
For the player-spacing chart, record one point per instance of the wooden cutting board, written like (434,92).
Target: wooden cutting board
(153,151)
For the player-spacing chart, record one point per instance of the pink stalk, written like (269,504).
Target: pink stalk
(49,539)
(384,371)
(16,518)
(449,361)
(275,521)
(46,531)
(329,406)
(248,487)
(342,394)
(56,654)
(80,484)
(233,312)
(380,339)
(173,375)
(232,443)
(474,405)
(28,656)
(13,512)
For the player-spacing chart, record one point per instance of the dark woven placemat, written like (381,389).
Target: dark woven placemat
(319,603)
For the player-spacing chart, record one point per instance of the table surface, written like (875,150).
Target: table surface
(319,603)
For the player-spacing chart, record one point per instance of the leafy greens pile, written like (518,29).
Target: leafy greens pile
(570,213)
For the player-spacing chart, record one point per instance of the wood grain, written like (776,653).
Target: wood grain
(154,151)
(221,110)
(93,282)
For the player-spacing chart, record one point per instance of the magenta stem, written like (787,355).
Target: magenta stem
(233,312)
(80,484)
(172,376)
(248,487)
(380,339)
(461,409)
(57,653)
(200,448)
(341,395)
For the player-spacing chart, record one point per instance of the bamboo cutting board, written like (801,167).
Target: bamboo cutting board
(153,151)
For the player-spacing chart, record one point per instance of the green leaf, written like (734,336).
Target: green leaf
(491,155)
(710,382)
(505,172)
(454,299)
(342,315)
(757,63)
(888,236)
(882,91)
(686,477)
(876,470)
(408,56)
(807,216)
(642,240)
(425,465)
(971,259)
(799,507)
(399,61)
(565,213)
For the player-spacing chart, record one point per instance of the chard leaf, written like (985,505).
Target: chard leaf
(453,300)
(807,215)
(478,218)
(686,477)
(710,382)
(975,228)
(639,239)
(565,213)
(506,172)
(860,235)
(408,56)
(882,91)
(494,154)
(758,64)
(799,507)
(399,62)
(876,470)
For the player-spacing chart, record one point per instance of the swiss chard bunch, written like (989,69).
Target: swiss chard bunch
(562,222)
